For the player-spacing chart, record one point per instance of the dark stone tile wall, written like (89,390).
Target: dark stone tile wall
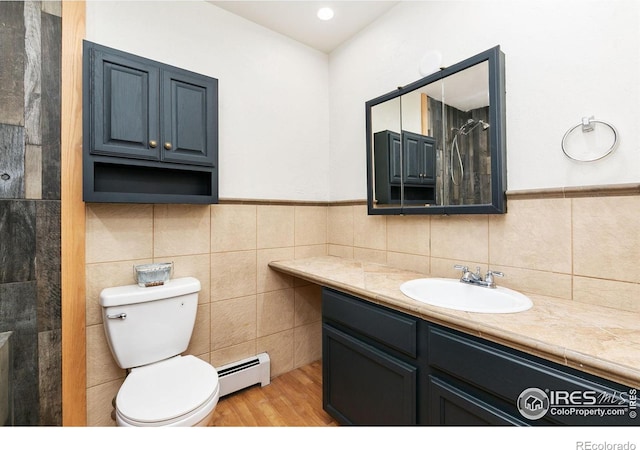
(12,67)
(12,169)
(18,304)
(51,62)
(47,251)
(17,241)
(30,299)
(32,73)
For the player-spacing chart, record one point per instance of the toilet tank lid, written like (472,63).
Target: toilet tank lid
(126,295)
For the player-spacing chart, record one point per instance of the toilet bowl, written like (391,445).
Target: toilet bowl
(181,391)
(148,329)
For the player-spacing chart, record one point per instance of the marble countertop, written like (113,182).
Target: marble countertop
(598,340)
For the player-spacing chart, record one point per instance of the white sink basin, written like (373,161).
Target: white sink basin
(452,294)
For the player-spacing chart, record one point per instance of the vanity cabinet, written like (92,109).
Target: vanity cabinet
(404,162)
(384,367)
(488,381)
(371,373)
(150,130)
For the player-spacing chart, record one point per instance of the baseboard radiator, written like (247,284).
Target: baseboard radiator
(244,373)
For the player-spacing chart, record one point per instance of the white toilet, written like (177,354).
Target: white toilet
(147,329)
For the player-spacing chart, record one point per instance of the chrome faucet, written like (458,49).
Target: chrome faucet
(476,278)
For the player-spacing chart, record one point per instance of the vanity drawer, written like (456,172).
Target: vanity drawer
(506,373)
(395,330)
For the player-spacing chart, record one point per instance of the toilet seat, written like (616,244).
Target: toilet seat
(179,391)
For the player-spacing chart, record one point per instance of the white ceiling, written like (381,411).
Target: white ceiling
(297,18)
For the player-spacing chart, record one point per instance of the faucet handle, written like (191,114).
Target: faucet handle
(465,272)
(489,278)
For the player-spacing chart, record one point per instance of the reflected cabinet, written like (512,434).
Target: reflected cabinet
(437,146)
(414,171)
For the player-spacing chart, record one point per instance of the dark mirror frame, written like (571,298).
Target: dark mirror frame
(497,119)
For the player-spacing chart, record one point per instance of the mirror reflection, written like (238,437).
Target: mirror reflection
(387,153)
(466,142)
(437,145)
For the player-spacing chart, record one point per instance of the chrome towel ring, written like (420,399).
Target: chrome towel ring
(588,125)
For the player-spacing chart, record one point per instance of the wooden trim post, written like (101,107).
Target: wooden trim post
(74,372)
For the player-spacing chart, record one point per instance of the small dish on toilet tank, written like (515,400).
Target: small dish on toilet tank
(156,274)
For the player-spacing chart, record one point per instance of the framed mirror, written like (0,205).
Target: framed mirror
(437,146)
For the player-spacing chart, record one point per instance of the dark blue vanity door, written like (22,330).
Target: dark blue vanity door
(364,385)
(450,404)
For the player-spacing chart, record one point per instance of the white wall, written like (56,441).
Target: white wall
(564,60)
(274,124)
(283,106)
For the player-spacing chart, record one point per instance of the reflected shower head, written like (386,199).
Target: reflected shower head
(471,125)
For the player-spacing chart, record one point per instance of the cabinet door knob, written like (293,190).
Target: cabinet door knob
(167,145)
(153,144)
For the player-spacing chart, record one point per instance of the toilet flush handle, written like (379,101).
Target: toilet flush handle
(121,316)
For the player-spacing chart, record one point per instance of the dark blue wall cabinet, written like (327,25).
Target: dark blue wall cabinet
(384,367)
(404,174)
(150,130)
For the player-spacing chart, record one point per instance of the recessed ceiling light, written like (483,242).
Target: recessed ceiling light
(325,13)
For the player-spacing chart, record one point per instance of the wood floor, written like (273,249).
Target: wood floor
(293,399)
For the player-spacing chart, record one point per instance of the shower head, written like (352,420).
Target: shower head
(471,125)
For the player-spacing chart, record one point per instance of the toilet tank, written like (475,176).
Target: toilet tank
(148,324)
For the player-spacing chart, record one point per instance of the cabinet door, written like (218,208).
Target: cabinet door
(362,385)
(504,373)
(124,105)
(452,405)
(428,152)
(190,118)
(419,159)
(413,159)
(395,166)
